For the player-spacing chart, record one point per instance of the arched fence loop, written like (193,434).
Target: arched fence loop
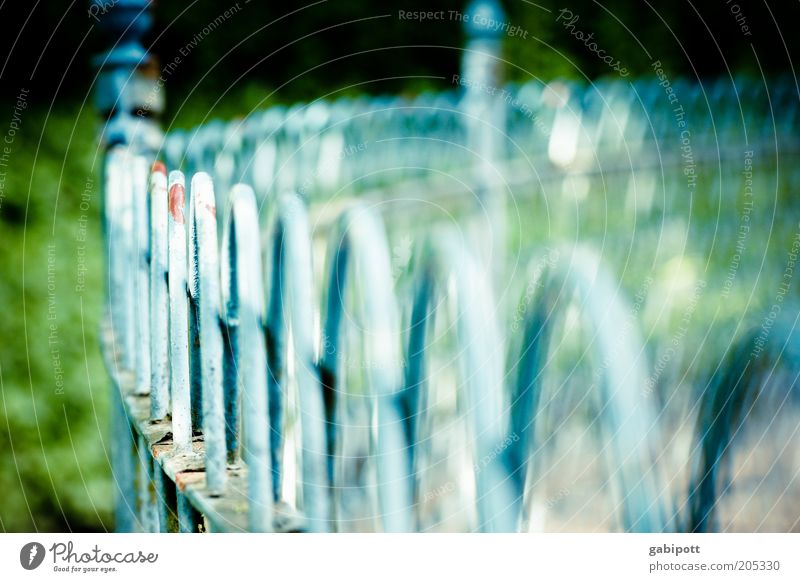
(204,283)
(291,320)
(627,416)
(360,300)
(751,394)
(447,271)
(245,357)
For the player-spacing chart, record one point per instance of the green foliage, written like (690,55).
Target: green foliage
(54,473)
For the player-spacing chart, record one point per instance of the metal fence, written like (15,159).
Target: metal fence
(259,392)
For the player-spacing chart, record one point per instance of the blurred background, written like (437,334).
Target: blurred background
(54,422)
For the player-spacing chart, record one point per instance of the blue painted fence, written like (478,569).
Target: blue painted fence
(238,404)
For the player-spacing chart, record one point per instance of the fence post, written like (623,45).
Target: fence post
(486,124)
(125,93)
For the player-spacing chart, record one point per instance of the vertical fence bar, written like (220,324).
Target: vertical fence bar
(159,293)
(141,273)
(232,296)
(123,465)
(121,262)
(195,355)
(165,494)
(276,356)
(328,355)
(124,460)
(189,519)
(292,282)
(179,314)
(231,391)
(148,503)
(481,350)
(243,286)
(128,270)
(206,286)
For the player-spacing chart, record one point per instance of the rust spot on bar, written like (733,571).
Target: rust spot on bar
(177,200)
(159,167)
(161,449)
(187,478)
